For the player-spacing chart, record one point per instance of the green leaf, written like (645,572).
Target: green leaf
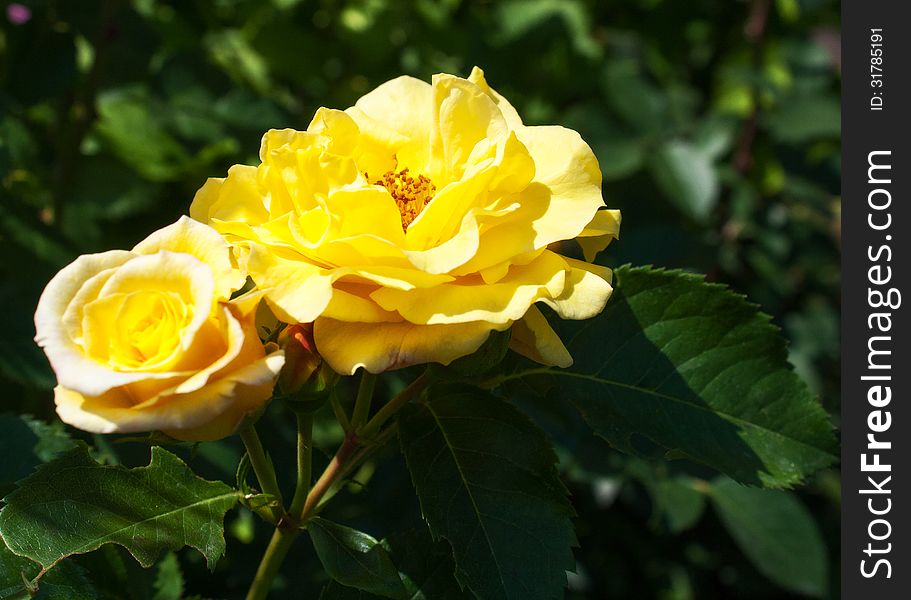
(695,368)
(518,18)
(67,581)
(622,80)
(777,534)
(804,119)
(487,483)
(137,135)
(26,442)
(169,579)
(355,559)
(681,505)
(425,567)
(687,176)
(74,505)
(714,136)
(678,501)
(489,355)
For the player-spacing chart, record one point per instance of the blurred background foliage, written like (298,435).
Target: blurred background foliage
(716,124)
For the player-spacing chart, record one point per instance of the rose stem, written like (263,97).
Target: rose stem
(356,459)
(339,466)
(262,466)
(281,541)
(393,406)
(304,462)
(288,529)
(340,415)
(364,398)
(334,470)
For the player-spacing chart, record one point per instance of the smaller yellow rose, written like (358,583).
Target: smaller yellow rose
(149,340)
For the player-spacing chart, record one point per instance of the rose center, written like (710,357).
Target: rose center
(148,329)
(411,194)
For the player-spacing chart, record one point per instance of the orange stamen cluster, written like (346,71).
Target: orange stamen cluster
(411,194)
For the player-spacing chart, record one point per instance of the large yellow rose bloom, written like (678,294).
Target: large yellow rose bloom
(148,340)
(411,225)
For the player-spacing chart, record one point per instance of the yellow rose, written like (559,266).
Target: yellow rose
(148,340)
(413,224)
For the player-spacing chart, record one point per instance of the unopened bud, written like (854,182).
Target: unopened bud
(305,379)
(301,358)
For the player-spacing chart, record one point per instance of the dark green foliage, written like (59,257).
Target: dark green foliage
(355,559)
(27,442)
(486,480)
(778,534)
(425,568)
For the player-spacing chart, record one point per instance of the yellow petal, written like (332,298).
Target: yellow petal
(73,316)
(506,109)
(395,122)
(465,116)
(450,254)
(444,215)
(471,299)
(210,413)
(298,171)
(247,303)
(236,343)
(586,293)
(364,249)
(352,302)
(236,198)
(167,271)
(296,290)
(461,248)
(365,211)
(403,105)
(511,234)
(568,167)
(379,347)
(534,338)
(338,128)
(507,168)
(203,242)
(67,358)
(284,141)
(603,228)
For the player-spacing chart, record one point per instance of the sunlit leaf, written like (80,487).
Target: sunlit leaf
(74,505)
(694,368)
